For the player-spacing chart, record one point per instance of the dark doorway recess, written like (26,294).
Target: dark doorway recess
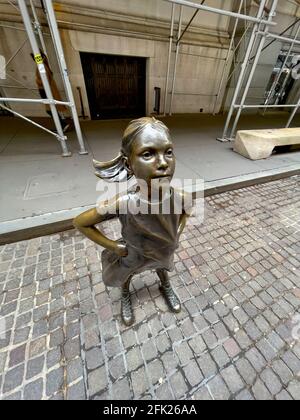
(116,85)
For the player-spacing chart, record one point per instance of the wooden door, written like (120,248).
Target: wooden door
(116,85)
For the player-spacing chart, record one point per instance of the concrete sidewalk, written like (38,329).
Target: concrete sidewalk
(38,187)
(237,337)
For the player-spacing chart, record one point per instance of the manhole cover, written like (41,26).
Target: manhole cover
(46,185)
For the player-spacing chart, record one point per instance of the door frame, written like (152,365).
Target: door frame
(147,79)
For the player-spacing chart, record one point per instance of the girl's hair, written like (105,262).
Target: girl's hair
(115,170)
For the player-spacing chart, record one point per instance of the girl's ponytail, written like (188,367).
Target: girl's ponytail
(112,171)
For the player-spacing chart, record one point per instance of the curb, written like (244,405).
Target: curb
(52,223)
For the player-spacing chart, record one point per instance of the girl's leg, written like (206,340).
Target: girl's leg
(126,307)
(167,292)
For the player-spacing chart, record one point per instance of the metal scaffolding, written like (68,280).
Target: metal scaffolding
(283,66)
(260,31)
(231,50)
(70,103)
(262,22)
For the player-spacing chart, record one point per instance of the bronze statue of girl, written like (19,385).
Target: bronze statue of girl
(149,238)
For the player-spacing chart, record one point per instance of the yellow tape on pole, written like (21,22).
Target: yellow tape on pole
(38,59)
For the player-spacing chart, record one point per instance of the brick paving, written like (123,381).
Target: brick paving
(237,276)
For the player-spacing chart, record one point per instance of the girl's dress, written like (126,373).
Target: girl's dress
(151,240)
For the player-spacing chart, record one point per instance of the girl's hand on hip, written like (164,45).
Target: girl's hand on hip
(121,250)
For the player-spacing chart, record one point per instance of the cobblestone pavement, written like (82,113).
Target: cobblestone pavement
(237,276)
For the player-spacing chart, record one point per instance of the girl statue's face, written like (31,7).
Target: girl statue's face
(152,157)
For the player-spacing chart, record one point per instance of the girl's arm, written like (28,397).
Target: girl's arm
(86,222)
(186,200)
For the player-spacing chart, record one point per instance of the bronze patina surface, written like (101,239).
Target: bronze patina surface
(149,237)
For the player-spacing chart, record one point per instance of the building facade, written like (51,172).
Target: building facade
(108,41)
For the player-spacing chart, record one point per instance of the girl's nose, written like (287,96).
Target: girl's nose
(162,163)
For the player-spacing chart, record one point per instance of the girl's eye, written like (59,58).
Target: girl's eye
(169,152)
(147,155)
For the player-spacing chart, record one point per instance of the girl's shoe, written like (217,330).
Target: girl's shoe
(126,309)
(171,298)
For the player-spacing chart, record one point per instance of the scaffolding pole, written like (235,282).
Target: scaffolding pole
(38,27)
(245,106)
(16,87)
(227,60)
(244,66)
(254,66)
(235,49)
(169,58)
(13,5)
(30,121)
(258,20)
(293,114)
(43,75)
(242,105)
(277,78)
(17,52)
(279,38)
(35,101)
(190,22)
(180,36)
(64,71)
(282,33)
(282,89)
(176,60)
(16,28)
